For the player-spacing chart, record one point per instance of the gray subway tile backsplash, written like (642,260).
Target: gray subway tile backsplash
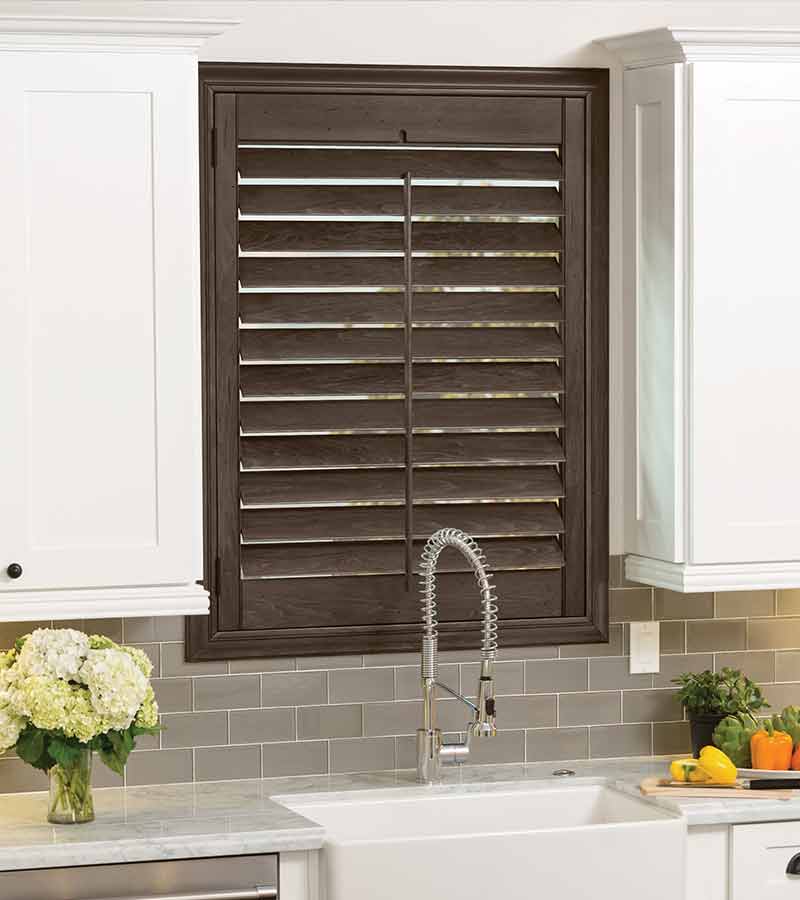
(400,717)
(362,754)
(532,711)
(359,685)
(719,634)
(173,662)
(245,666)
(544,744)
(773,634)
(329,721)
(294,688)
(651,706)
(594,708)
(294,758)
(744,604)
(307,716)
(671,738)
(630,605)
(611,673)
(788,602)
(194,729)
(610,741)
(787,665)
(555,676)
(672,605)
(227,692)
(673,637)
(173,694)
(675,664)
(506,747)
(756,664)
(222,763)
(160,767)
(261,726)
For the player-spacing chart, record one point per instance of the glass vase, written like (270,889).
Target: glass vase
(71,791)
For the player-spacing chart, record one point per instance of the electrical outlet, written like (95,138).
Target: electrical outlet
(645,647)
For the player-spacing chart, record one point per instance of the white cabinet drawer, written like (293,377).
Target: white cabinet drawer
(759,856)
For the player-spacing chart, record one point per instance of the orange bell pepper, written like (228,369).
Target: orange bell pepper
(771,749)
(796,758)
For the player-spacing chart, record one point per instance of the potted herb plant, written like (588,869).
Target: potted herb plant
(708,697)
(65,694)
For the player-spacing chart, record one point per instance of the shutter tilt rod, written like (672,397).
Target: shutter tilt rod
(409,381)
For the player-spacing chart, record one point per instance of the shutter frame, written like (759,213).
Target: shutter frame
(229,632)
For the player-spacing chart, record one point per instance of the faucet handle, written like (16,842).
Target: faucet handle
(484,724)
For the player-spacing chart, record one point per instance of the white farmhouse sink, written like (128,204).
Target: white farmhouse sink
(580,842)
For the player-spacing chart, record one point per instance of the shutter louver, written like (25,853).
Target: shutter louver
(323,305)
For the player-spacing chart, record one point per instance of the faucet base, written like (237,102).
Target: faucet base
(433,753)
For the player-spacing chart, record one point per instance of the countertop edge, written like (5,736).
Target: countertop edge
(136,850)
(699,813)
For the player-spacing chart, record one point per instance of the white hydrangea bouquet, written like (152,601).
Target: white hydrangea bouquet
(65,694)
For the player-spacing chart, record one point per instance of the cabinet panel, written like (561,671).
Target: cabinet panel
(745,492)
(89,312)
(99,327)
(654,376)
(759,856)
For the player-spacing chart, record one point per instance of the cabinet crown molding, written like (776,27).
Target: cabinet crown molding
(107,33)
(660,46)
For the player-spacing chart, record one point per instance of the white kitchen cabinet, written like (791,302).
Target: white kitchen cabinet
(711,308)
(759,856)
(100,460)
(742,862)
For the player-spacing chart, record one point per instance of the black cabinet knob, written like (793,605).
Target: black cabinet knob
(14,570)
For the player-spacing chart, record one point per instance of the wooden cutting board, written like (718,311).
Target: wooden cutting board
(667,788)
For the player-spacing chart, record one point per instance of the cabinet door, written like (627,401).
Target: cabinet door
(99,460)
(759,856)
(745,382)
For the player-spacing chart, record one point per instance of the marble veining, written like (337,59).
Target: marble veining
(227,818)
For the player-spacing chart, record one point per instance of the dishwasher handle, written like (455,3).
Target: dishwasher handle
(259,892)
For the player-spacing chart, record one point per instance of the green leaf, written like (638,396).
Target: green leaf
(112,761)
(65,753)
(127,740)
(115,738)
(116,754)
(31,749)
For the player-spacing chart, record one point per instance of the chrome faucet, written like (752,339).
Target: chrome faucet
(432,752)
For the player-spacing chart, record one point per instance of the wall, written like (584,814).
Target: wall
(273,717)
(248,719)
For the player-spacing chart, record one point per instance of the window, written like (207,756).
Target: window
(405,327)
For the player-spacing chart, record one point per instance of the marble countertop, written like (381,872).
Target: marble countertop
(234,817)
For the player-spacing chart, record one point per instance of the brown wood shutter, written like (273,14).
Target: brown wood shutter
(405,329)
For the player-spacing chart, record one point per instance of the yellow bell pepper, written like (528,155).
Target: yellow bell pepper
(719,768)
(687,770)
(713,767)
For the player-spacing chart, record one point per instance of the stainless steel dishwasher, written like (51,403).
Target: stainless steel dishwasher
(223,878)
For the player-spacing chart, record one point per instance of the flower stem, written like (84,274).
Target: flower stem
(71,791)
